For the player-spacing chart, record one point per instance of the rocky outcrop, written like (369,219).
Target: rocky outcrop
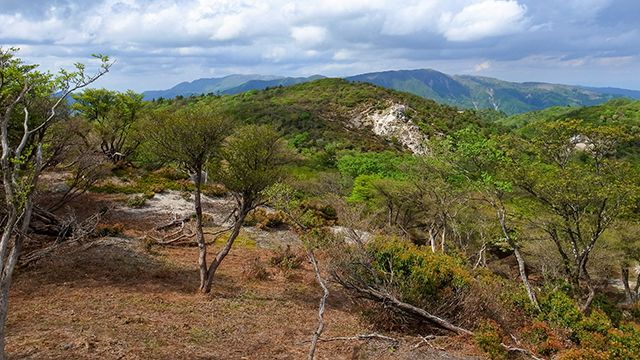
(393,124)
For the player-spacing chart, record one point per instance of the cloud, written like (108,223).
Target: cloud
(158,42)
(482,66)
(309,36)
(484,19)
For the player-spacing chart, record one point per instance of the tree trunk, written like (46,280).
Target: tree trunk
(625,282)
(523,274)
(519,258)
(202,247)
(242,213)
(432,239)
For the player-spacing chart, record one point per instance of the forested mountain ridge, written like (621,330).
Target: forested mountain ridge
(479,92)
(465,91)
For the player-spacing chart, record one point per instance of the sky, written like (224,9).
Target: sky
(159,43)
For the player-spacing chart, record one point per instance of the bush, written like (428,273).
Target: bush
(488,339)
(255,270)
(545,341)
(285,259)
(265,220)
(137,201)
(560,310)
(624,343)
(423,277)
(414,274)
(107,230)
(583,354)
(214,190)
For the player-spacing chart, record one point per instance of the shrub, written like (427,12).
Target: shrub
(422,276)
(265,220)
(624,343)
(544,340)
(488,339)
(255,269)
(137,201)
(214,190)
(106,230)
(285,259)
(583,354)
(560,310)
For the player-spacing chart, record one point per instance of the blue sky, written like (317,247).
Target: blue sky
(157,44)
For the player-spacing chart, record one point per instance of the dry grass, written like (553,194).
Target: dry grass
(122,302)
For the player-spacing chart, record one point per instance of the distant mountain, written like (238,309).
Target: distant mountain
(263,84)
(464,91)
(482,92)
(232,84)
(633,94)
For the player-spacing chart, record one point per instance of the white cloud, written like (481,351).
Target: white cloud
(192,37)
(484,19)
(342,55)
(482,66)
(309,36)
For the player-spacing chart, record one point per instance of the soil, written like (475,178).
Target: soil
(125,300)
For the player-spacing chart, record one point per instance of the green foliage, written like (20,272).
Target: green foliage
(114,117)
(625,342)
(137,201)
(364,189)
(422,277)
(252,160)
(385,164)
(560,310)
(488,339)
(189,136)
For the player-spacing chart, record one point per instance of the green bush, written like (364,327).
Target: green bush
(424,278)
(624,343)
(363,189)
(488,339)
(137,201)
(560,310)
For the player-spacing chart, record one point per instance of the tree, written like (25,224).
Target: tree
(27,110)
(572,171)
(191,137)
(251,160)
(486,169)
(113,115)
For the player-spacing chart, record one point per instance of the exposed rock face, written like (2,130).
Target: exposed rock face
(394,124)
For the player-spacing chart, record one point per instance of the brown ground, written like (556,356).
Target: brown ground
(126,302)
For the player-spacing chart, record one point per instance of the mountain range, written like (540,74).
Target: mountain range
(465,91)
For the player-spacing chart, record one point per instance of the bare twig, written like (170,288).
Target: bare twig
(424,340)
(323,300)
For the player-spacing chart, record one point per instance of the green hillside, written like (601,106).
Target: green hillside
(320,112)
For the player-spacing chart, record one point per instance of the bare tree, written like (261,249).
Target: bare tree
(22,128)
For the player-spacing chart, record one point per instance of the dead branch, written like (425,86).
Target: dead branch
(81,234)
(389,299)
(323,300)
(373,336)
(174,222)
(520,350)
(424,340)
